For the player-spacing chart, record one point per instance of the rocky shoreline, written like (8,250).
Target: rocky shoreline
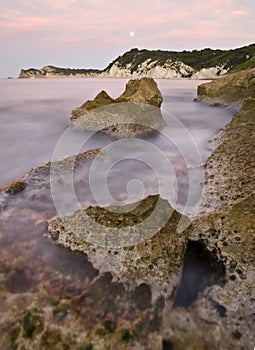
(176,290)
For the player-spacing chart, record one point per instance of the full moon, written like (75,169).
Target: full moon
(131,34)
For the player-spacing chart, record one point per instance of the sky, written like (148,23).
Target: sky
(92,33)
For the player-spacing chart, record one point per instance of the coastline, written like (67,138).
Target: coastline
(218,244)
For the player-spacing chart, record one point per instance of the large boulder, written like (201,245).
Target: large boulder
(144,90)
(134,112)
(231,89)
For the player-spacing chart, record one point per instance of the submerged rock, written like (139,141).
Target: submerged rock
(135,112)
(230,89)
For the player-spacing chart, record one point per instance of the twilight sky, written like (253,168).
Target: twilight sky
(91,33)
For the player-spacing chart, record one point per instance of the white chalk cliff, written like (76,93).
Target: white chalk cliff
(169,70)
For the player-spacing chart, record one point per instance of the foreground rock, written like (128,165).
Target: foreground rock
(136,244)
(172,290)
(231,89)
(230,169)
(135,112)
(223,314)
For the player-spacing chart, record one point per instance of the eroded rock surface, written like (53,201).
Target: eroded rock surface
(115,242)
(230,169)
(143,90)
(176,290)
(230,89)
(101,99)
(135,112)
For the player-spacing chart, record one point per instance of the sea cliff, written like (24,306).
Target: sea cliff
(157,64)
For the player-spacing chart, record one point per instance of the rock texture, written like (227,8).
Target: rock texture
(215,308)
(231,89)
(175,290)
(102,99)
(135,112)
(143,90)
(230,169)
(117,245)
(169,70)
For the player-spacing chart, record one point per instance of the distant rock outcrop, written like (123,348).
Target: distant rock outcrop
(57,72)
(136,111)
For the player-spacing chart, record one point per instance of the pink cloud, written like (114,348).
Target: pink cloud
(110,21)
(12,22)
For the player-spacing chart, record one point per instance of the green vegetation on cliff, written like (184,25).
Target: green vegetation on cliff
(52,70)
(225,61)
(197,59)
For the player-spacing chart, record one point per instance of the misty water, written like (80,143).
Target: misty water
(34,119)
(35,114)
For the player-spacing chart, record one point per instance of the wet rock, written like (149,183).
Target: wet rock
(223,311)
(231,89)
(37,184)
(102,99)
(51,339)
(33,323)
(54,297)
(141,243)
(142,297)
(235,228)
(135,112)
(167,345)
(225,304)
(16,186)
(19,282)
(200,270)
(230,169)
